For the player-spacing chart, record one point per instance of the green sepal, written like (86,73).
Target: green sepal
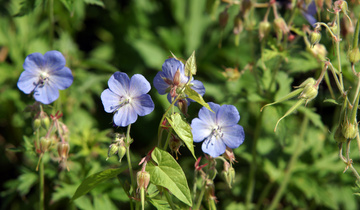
(287,97)
(293,108)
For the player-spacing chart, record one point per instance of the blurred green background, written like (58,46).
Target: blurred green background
(99,38)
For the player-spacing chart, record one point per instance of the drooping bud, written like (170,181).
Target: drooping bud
(349,130)
(319,51)
(229,155)
(333,27)
(121,152)
(281,27)
(183,106)
(63,150)
(41,120)
(354,55)
(174,144)
(229,174)
(223,18)
(113,150)
(238,24)
(264,29)
(344,6)
(45,144)
(315,37)
(310,92)
(143,179)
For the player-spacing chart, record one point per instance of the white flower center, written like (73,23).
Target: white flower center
(44,78)
(217,132)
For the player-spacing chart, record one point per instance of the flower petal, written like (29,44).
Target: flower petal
(159,83)
(170,67)
(233,136)
(28,81)
(138,85)
(62,78)
(46,94)
(125,115)
(227,115)
(110,100)
(208,116)
(213,147)
(54,61)
(119,83)
(143,105)
(200,130)
(34,63)
(198,87)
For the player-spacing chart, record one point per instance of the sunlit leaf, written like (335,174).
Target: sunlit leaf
(192,94)
(190,65)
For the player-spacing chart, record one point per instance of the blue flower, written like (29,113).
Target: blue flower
(172,78)
(218,129)
(45,75)
(309,12)
(128,98)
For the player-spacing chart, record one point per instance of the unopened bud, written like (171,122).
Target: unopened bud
(183,106)
(238,24)
(354,55)
(310,92)
(121,152)
(177,78)
(264,29)
(349,130)
(42,120)
(229,155)
(113,150)
(319,51)
(143,179)
(315,37)
(344,7)
(338,136)
(63,150)
(223,18)
(280,26)
(229,176)
(334,27)
(45,144)
(174,144)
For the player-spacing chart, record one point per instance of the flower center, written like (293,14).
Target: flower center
(44,77)
(217,132)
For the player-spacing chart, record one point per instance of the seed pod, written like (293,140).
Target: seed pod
(354,55)
(349,130)
(315,38)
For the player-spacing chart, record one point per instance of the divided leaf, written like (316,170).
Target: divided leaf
(168,173)
(183,130)
(92,181)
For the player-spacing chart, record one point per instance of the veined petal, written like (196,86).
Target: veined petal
(208,116)
(62,78)
(159,83)
(28,81)
(34,63)
(119,83)
(213,147)
(227,115)
(170,67)
(143,105)
(110,100)
(54,61)
(198,87)
(233,136)
(138,85)
(125,116)
(200,130)
(46,94)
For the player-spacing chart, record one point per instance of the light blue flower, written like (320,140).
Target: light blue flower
(218,129)
(45,75)
(128,98)
(172,79)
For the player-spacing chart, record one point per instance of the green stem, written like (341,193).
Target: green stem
(290,167)
(338,49)
(356,34)
(253,166)
(128,139)
(168,198)
(41,185)
(168,139)
(263,194)
(51,18)
(202,192)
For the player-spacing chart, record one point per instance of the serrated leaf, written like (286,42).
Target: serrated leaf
(192,94)
(190,65)
(26,181)
(168,173)
(27,6)
(92,181)
(95,2)
(183,130)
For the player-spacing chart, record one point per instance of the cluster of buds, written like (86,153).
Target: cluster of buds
(41,120)
(118,147)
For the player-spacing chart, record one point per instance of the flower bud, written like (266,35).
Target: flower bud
(183,106)
(143,179)
(281,27)
(349,130)
(310,92)
(338,136)
(319,51)
(344,6)
(354,55)
(41,120)
(174,144)
(63,150)
(315,37)
(113,150)
(264,29)
(333,27)
(223,18)
(238,24)
(121,152)
(229,155)
(177,78)
(229,176)
(45,144)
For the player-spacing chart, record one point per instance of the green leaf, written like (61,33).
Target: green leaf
(95,2)
(183,130)
(192,94)
(160,204)
(190,66)
(26,182)
(168,173)
(92,181)
(69,4)
(27,6)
